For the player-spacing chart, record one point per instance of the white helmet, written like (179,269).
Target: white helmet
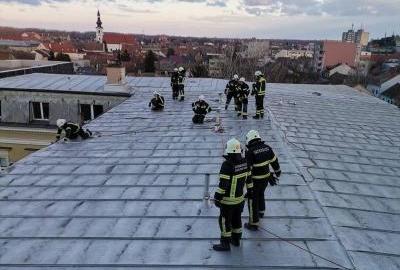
(155,93)
(61,122)
(175,69)
(258,73)
(236,77)
(181,69)
(202,98)
(252,135)
(233,147)
(242,79)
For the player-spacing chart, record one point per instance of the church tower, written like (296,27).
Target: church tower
(99,29)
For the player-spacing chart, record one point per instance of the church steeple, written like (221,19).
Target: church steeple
(99,28)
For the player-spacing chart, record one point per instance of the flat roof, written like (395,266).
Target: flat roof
(61,83)
(134,196)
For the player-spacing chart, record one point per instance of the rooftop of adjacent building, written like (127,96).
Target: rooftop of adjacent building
(62,83)
(134,196)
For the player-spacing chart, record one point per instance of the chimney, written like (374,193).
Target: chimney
(116,80)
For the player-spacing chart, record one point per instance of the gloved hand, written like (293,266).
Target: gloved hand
(217,203)
(273,181)
(66,139)
(278,173)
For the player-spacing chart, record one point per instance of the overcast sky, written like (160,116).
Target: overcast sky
(298,19)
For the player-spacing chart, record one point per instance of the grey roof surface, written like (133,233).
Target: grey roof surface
(59,83)
(133,197)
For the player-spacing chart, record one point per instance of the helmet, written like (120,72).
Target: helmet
(252,135)
(258,73)
(202,98)
(233,147)
(236,77)
(242,79)
(61,122)
(175,69)
(181,69)
(155,93)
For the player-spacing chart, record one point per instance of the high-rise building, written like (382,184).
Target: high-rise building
(360,36)
(99,29)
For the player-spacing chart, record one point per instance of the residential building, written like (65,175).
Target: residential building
(65,47)
(378,88)
(9,68)
(294,54)
(392,95)
(31,104)
(329,53)
(359,37)
(215,64)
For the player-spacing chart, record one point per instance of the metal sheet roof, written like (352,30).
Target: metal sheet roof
(133,197)
(58,83)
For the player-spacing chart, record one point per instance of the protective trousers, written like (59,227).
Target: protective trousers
(242,106)
(256,204)
(182,91)
(198,118)
(229,97)
(175,91)
(84,134)
(260,105)
(230,221)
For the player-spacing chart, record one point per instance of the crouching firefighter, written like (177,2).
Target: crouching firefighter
(243,97)
(259,92)
(157,103)
(259,157)
(229,198)
(200,109)
(72,130)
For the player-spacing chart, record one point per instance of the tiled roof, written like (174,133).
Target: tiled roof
(63,46)
(117,38)
(134,197)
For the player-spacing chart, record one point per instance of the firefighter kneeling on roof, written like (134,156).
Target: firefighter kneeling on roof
(200,109)
(233,178)
(72,130)
(259,157)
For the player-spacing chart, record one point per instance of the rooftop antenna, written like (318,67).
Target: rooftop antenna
(352,26)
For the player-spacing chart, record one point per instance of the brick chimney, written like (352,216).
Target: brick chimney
(116,80)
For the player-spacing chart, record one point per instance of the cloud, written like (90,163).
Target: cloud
(321,7)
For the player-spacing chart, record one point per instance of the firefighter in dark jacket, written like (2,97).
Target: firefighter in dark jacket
(157,102)
(181,83)
(243,97)
(175,84)
(200,109)
(72,130)
(259,92)
(231,91)
(259,157)
(234,176)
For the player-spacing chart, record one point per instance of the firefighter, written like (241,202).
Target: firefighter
(72,130)
(243,97)
(259,92)
(259,157)
(157,102)
(231,90)
(234,176)
(175,84)
(200,109)
(181,83)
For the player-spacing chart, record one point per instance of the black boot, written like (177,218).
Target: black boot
(251,227)
(239,114)
(244,117)
(262,115)
(226,107)
(223,246)
(235,240)
(256,117)
(261,214)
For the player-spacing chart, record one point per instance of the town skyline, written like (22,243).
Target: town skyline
(213,19)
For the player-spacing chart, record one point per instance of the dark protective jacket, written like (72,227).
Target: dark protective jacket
(181,77)
(201,107)
(234,176)
(259,86)
(243,91)
(71,130)
(157,102)
(175,78)
(259,156)
(232,87)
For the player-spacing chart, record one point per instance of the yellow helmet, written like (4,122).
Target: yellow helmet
(252,135)
(233,147)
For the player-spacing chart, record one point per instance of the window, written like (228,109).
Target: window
(90,111)
(40,110)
